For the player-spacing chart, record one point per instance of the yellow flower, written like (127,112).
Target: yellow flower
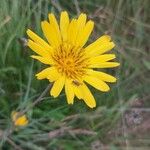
(19,120)
(70,63)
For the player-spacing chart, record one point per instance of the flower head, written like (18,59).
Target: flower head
(19,120)
(71,63)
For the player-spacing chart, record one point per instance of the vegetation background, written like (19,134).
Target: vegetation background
(121,118)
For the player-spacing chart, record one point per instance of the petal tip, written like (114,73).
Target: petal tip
(52,94)
(28,31)
(91,22)
(38,76)
(117,64)
(32,56)
(107,37)
(64,12)
(114,80)
(92,106)
(71,103)
(113,44)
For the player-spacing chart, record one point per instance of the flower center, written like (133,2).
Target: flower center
(70,61)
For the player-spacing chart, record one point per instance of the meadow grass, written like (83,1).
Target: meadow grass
(127,22)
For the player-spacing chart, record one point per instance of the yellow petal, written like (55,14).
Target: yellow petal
(39,40)
(100,41)
(101,58)
(38,49)
(69,91)
(72,31)
(77,92)
(88,97)
(19,120)
(76,27)
(57,86)
(50,34)
(53,75)
(97,83)
(64,23)
(100,49)
(85,33)
(101,75)
(44,60)
(81,21)
(45,73)
(105,65)
(55,26)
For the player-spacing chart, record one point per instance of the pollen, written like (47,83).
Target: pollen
(70,61)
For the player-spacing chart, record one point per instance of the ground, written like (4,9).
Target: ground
(121,118)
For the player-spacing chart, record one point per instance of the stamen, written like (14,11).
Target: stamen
(70,61)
